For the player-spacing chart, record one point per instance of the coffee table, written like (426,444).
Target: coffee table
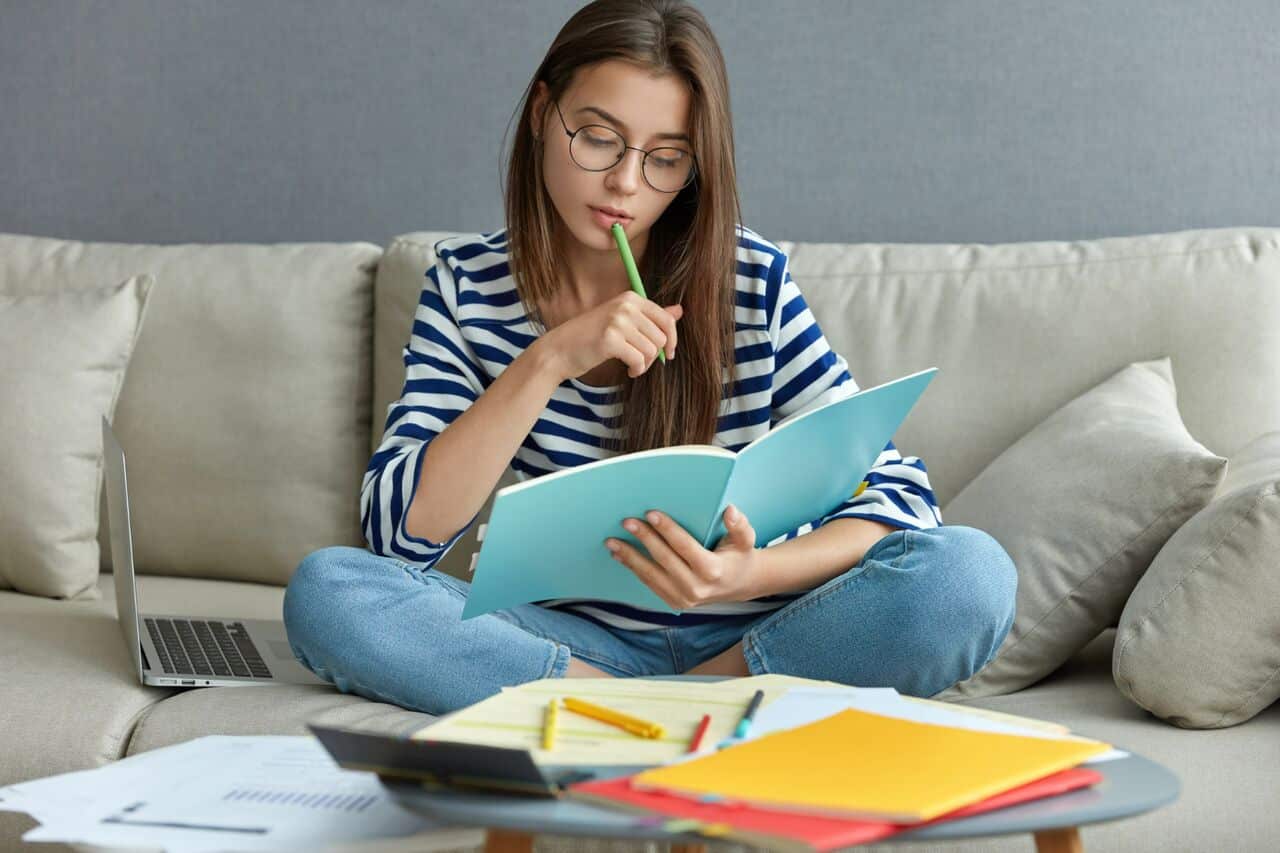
(1130,786)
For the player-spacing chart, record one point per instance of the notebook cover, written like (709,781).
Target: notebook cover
(545,536)
(778,829)
(442,763)
(856,764)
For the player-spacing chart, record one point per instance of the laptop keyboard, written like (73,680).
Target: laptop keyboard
(199,647)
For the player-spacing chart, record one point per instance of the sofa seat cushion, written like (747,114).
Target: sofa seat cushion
(274,709)
(71,700)
(72,703)
(68,696)
(1229,784)
(282,709)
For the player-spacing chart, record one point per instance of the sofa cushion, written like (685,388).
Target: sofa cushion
(278,709)
(1019,329)
(401,273)
(1082,503)
(245,412)
(1199,639)
(72,700)
(69,697)
(65,354)
(984,314)
(1228,776)
(275,709)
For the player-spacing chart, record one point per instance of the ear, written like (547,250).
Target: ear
(538,109)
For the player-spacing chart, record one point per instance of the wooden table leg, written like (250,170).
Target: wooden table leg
(502,841)
(1059,841)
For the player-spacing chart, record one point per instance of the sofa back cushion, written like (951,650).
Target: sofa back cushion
(1016,329)
(245,412)
(401,276)
(1019,329)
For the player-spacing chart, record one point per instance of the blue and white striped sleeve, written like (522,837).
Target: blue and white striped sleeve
(807,374)
(442,378)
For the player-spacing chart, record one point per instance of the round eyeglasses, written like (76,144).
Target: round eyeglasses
(597,148)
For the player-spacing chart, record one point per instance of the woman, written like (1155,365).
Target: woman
(530,349)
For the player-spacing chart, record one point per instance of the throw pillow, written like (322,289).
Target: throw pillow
(1082,503)
(1199,640)
(65,357)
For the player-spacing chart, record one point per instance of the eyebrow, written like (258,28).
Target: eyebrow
(604,115)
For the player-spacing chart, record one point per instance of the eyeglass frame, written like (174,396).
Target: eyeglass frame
(693,173)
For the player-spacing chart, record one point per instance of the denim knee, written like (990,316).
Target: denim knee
(979,588)
(311,598)
(995,569)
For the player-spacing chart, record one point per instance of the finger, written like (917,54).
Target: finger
(740,532)
(663,317)
(649,574)
(688,550)
(662,553)
(632,357)
(647,349)
(650,329)
(669,326)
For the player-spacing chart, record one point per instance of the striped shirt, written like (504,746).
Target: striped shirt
(469,325)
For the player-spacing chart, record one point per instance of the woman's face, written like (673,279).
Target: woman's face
(642,108)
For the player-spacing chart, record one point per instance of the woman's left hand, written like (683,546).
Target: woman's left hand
(682,572)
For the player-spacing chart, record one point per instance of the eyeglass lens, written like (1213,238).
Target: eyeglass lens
(596,147)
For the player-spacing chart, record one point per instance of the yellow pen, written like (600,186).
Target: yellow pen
(549,726)
(635,725)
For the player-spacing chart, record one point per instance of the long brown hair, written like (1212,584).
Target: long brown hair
(690,257)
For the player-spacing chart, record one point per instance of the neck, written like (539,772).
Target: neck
(592,275)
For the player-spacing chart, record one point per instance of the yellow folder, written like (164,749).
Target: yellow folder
(860,765)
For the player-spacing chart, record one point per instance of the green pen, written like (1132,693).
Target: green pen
(624,249)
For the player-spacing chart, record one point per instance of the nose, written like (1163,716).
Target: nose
(627,173)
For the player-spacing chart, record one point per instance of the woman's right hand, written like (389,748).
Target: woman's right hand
(627,327)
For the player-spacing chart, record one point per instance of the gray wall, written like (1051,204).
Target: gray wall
(280,120)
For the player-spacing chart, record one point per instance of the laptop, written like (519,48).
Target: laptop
(169,650)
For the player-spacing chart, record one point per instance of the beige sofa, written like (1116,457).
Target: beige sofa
(262,375)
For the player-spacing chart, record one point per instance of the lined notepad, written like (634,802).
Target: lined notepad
(868,766)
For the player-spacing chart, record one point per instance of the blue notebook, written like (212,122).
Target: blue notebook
(545,536)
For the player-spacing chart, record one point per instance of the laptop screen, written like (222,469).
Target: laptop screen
(117,491)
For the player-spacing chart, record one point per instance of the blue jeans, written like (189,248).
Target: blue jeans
(920,611)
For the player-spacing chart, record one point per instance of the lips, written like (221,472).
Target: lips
(612,211)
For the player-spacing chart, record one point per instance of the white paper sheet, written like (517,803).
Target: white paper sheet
(799,706)
(222,793)
(71,794)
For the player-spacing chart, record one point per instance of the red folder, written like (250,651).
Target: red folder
(792,831)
